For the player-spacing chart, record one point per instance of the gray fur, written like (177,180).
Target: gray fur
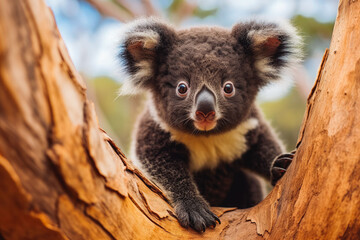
(156,58)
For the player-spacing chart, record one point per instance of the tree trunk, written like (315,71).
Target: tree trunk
(61,177)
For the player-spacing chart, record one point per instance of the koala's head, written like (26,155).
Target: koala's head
(204,80)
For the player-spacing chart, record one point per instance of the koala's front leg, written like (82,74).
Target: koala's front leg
(192,210)
(166,163)
(171,174)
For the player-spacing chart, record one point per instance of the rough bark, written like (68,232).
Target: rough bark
(62,177)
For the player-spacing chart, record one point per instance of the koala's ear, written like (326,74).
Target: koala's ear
(143,43)
(273,46)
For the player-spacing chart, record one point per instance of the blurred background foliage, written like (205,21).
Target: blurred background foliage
(90,30)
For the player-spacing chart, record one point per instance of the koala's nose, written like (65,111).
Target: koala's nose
(200,116)
(205,105)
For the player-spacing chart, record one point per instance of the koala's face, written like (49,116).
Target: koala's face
(204,80)
(204,84)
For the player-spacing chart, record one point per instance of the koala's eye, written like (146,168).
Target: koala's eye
(229,89)
(182,89)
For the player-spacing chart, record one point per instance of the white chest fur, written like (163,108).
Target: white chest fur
(208,151)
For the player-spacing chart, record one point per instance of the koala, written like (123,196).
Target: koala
(201,138)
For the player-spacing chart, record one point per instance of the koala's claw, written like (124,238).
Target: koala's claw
(279,166)
(216,218)
(195,213)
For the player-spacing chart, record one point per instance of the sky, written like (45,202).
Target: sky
(92,40)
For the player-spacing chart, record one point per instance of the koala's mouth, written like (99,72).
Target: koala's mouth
(205,125)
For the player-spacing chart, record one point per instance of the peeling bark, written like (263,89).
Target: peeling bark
(62,177)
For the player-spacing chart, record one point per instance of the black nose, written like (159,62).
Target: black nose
(205,103)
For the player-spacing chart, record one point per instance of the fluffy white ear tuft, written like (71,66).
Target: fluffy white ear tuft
(143,42)
(133,84)
(275,47)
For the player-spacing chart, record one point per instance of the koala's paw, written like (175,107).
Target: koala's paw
(279,166)
(196,214)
